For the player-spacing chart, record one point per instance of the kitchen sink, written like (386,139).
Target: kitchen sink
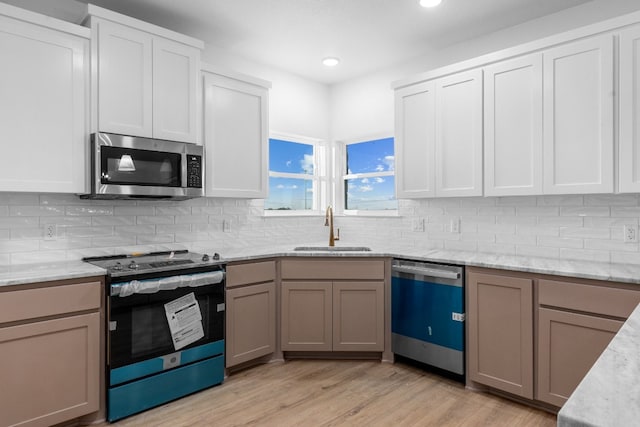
(333,248)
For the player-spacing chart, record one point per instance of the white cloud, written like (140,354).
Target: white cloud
(364,180)
(288,163)
(365,188)
(293,187)
(389,161)
(379,168)
(351,185)
(379,180)
(280,186)
(307,164)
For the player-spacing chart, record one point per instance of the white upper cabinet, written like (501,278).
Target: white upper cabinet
(236,135)
(147,82)
(578,117)
(415,141)
(513,127)
(459,134)
(629,160)
(439,137)
(124,80)
(43,103)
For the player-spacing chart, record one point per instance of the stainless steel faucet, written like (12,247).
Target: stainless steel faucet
(328,222)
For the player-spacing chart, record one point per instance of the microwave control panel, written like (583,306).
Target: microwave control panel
(194,171)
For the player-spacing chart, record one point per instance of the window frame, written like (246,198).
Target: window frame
(318,178)
(342,176)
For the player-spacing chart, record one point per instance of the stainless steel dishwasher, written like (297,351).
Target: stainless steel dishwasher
(427,313)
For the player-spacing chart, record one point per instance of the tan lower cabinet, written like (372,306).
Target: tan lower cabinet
(358,316)
(250,312)
(307,316)
(500,331)
(50,353)
(576,322)
(345,311)
(576,319)
(568,346)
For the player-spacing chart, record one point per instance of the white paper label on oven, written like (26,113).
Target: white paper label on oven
(185,320)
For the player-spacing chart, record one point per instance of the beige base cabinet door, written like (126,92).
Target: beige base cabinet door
(49,370)
(251,323)
(500,334)
(306,316)
(358,316)
(568,346)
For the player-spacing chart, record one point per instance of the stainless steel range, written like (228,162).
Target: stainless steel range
(165,335)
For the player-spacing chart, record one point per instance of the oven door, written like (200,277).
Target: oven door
(138,322)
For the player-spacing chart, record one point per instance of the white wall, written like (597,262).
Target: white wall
(296,105)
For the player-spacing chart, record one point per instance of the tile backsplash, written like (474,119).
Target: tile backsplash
(583,227)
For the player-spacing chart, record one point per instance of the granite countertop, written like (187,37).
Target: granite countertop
(610,393)
(628,273)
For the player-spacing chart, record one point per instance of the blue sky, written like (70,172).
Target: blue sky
(362,193)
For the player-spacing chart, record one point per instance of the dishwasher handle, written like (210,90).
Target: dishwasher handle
(425,271)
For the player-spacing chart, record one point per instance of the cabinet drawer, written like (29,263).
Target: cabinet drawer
(333,269)
(244,274)
(588,298)
(49,301)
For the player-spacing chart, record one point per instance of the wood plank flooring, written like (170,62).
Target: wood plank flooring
(339,393)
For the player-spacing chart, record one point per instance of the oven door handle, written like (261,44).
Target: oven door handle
(151,286)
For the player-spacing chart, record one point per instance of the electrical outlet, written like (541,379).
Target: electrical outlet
(455,225)
(418,224)
(630,233)
(226,226)
(50,232)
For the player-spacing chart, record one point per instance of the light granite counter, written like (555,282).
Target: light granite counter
(610,393)
(45,272)
(628,273)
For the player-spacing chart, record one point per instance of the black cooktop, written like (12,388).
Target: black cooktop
(128,264)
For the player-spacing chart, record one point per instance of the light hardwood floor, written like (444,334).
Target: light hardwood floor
(339,393)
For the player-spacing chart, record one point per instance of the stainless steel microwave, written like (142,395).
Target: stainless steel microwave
(127,167)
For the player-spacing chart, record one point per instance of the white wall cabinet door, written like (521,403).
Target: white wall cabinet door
(459,135)
(43,108)
(578,117)
(125,73)
(415,141)
(513,127)
(176,68)
(235,137)
(629,160)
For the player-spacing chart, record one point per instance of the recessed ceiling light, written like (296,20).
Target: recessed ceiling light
(430,3)
(330,62)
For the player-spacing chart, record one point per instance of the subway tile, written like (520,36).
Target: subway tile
(5,234)
(497,228)
(173,210)
(66,221)
(134,210)
(585,211)
(560,242)
(477,237)
(212,210)
(5,259)
(12,246)
(19,222)
(27,233)
(611,200)
(113,220)
(4,210)
(537,211)
(468,246)
(90,210)
(517,220)
(625,257)
(135,229)
(599,222)
(497,210)
(62,199)
(610,245)
(516,239)
(155,238)
(115,241)
(561,221)
(584,255)
(517,201)
(585,233)
(477,202)
(19,199)
(20,210)
(173,228)
(157,219)
(192,219)
(62,244)
(623,212)
(560,200)
(496,248)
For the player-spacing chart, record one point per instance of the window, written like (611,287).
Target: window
(293,176)
(369,178)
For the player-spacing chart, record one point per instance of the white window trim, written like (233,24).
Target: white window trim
(319,181)
(340,168)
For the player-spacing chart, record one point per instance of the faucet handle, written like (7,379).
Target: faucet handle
(337,236)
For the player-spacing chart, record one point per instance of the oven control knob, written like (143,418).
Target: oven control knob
(216,256)
(133,265)
(117,266)
(205,257)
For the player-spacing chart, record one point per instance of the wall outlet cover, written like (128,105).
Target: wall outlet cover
(630,233)
(50,232)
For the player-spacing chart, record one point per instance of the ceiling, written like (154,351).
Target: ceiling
(294,35)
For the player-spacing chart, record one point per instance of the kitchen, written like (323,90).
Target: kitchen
(584,227)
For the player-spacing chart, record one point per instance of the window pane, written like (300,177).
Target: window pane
(377,193)
(289,194)
(291,157)
(370,156)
